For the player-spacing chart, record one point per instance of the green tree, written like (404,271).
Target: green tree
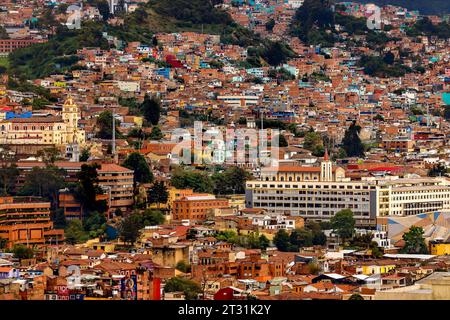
(352,143)
(378,117)
(3,243)
(95,224)
(314,143)
(105,125)
(74,232)
(264,243)
(341,154)
(356,296)
(282,241)
(196,180)
(270,24)
(130,228)
(132,104)
(190,288)
(3,33)
(136,162)
(39,103)
(158,193)
(151,218)
(156,133)
(8,178)
(231,181)
(438,170)
(300,238)
(389,58)
(227,236)
(191,234)
(44,182)
(183,266)
(447,112)
(282,142)
(85,155)
(343,223)
(275,53)
(312,21)
(59,218)
(22,252)
(151,109)
(376,251)
(319,238)
(313,268)
(103,8)
(88,188)
(414,241)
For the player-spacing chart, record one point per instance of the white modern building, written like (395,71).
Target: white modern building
(318,193)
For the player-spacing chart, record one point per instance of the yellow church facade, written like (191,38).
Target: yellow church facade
(52,130)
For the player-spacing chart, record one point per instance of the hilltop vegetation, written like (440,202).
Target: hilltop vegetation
(315,23)
(427,28)
(424,6)
(58,54)
(193,12)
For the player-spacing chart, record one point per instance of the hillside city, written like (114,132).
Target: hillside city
(224,150)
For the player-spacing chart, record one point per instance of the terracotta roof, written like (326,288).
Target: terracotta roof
(111,167)
(36,120)
(293,169)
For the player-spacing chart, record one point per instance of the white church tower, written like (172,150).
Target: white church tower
(326,168)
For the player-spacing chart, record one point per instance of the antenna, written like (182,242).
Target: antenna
(113,135)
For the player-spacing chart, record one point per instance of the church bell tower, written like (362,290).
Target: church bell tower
(326,168)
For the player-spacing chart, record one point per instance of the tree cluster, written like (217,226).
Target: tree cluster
(309,236)
(130,226)
(252,240)
(230,181)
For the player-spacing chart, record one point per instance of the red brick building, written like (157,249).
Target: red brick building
(196,207)
(27,221)
(10,45)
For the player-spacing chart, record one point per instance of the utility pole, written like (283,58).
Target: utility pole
(262,119)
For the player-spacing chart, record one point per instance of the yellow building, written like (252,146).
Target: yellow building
(107,247)
(175,194)
(52,130)
(377,269)
(170,255)
(439,248)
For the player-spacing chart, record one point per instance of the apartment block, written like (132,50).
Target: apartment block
(27,221)
(196,207)
(118,183)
